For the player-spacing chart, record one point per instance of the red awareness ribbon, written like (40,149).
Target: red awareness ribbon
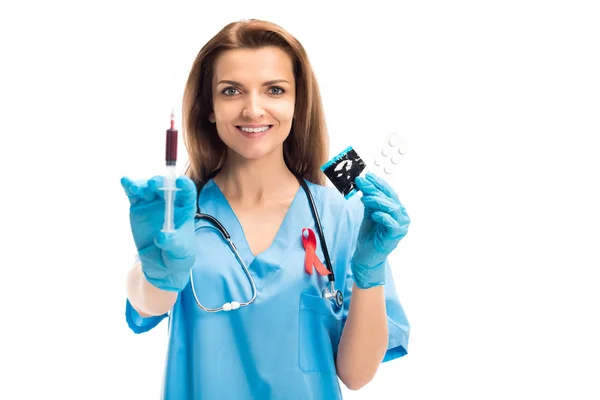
(309,240)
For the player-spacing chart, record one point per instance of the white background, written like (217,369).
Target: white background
(500,102)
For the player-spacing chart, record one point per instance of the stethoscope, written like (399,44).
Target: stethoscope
(329,292)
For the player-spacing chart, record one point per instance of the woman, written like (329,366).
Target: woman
(254,131)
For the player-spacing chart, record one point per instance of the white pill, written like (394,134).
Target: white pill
(396,158)
(393,140)
(386,150)
(388,169)
(403,147)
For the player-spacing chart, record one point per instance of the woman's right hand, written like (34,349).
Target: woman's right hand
(166,257)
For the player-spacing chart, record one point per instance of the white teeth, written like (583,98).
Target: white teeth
(254,130)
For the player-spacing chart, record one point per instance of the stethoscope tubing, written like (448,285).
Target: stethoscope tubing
(331,294)
(234,305)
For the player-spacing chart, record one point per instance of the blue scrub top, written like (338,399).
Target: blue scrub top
(282,346)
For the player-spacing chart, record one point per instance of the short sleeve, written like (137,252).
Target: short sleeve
(139,324)
(398,326)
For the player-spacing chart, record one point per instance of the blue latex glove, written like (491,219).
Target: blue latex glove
(384,224)
(166,257)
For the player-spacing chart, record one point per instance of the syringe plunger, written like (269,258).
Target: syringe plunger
(170,190)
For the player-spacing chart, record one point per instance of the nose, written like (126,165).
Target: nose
(253,107)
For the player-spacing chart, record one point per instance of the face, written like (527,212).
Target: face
(253,100)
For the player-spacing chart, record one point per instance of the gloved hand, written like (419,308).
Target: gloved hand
(384,224)
(166,257)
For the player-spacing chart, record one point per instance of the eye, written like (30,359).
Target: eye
(278,90)
(230,91)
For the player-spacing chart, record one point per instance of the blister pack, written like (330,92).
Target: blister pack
(393,150)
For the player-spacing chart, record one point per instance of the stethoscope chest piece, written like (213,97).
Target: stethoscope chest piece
(339,298)
(335,296)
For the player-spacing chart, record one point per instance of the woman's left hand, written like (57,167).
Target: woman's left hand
(384,224)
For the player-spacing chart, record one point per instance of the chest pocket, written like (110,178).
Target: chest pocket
(319,334)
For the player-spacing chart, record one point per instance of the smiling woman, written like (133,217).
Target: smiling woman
(259,71)
(255,133)
(249,104)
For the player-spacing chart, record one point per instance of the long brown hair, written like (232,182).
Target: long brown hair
(307,146)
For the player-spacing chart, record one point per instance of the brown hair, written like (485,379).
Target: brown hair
(306,147)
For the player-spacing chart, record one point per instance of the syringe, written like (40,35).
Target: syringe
(170,177)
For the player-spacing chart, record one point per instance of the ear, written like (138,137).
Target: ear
(211,117)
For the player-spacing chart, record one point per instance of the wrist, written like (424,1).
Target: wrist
(174,282)
(368,277)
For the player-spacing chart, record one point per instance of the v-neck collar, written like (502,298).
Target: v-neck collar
(289,234)
(240,228)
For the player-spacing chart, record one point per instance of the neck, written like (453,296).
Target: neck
(256,182)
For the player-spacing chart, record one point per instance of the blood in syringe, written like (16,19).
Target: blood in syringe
(171,153)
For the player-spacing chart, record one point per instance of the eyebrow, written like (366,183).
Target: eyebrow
(268,83)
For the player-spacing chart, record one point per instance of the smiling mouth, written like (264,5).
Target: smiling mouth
(255,130)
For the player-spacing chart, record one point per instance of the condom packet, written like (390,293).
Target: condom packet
(343,169)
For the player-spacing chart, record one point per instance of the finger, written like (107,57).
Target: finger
(126,184)
(139,187)
(392,228)
(384,219)
(155,185)
(373,188)
(366,186)
(382,185)
(174,244)
(380,203)
(135,190)
(186,197)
